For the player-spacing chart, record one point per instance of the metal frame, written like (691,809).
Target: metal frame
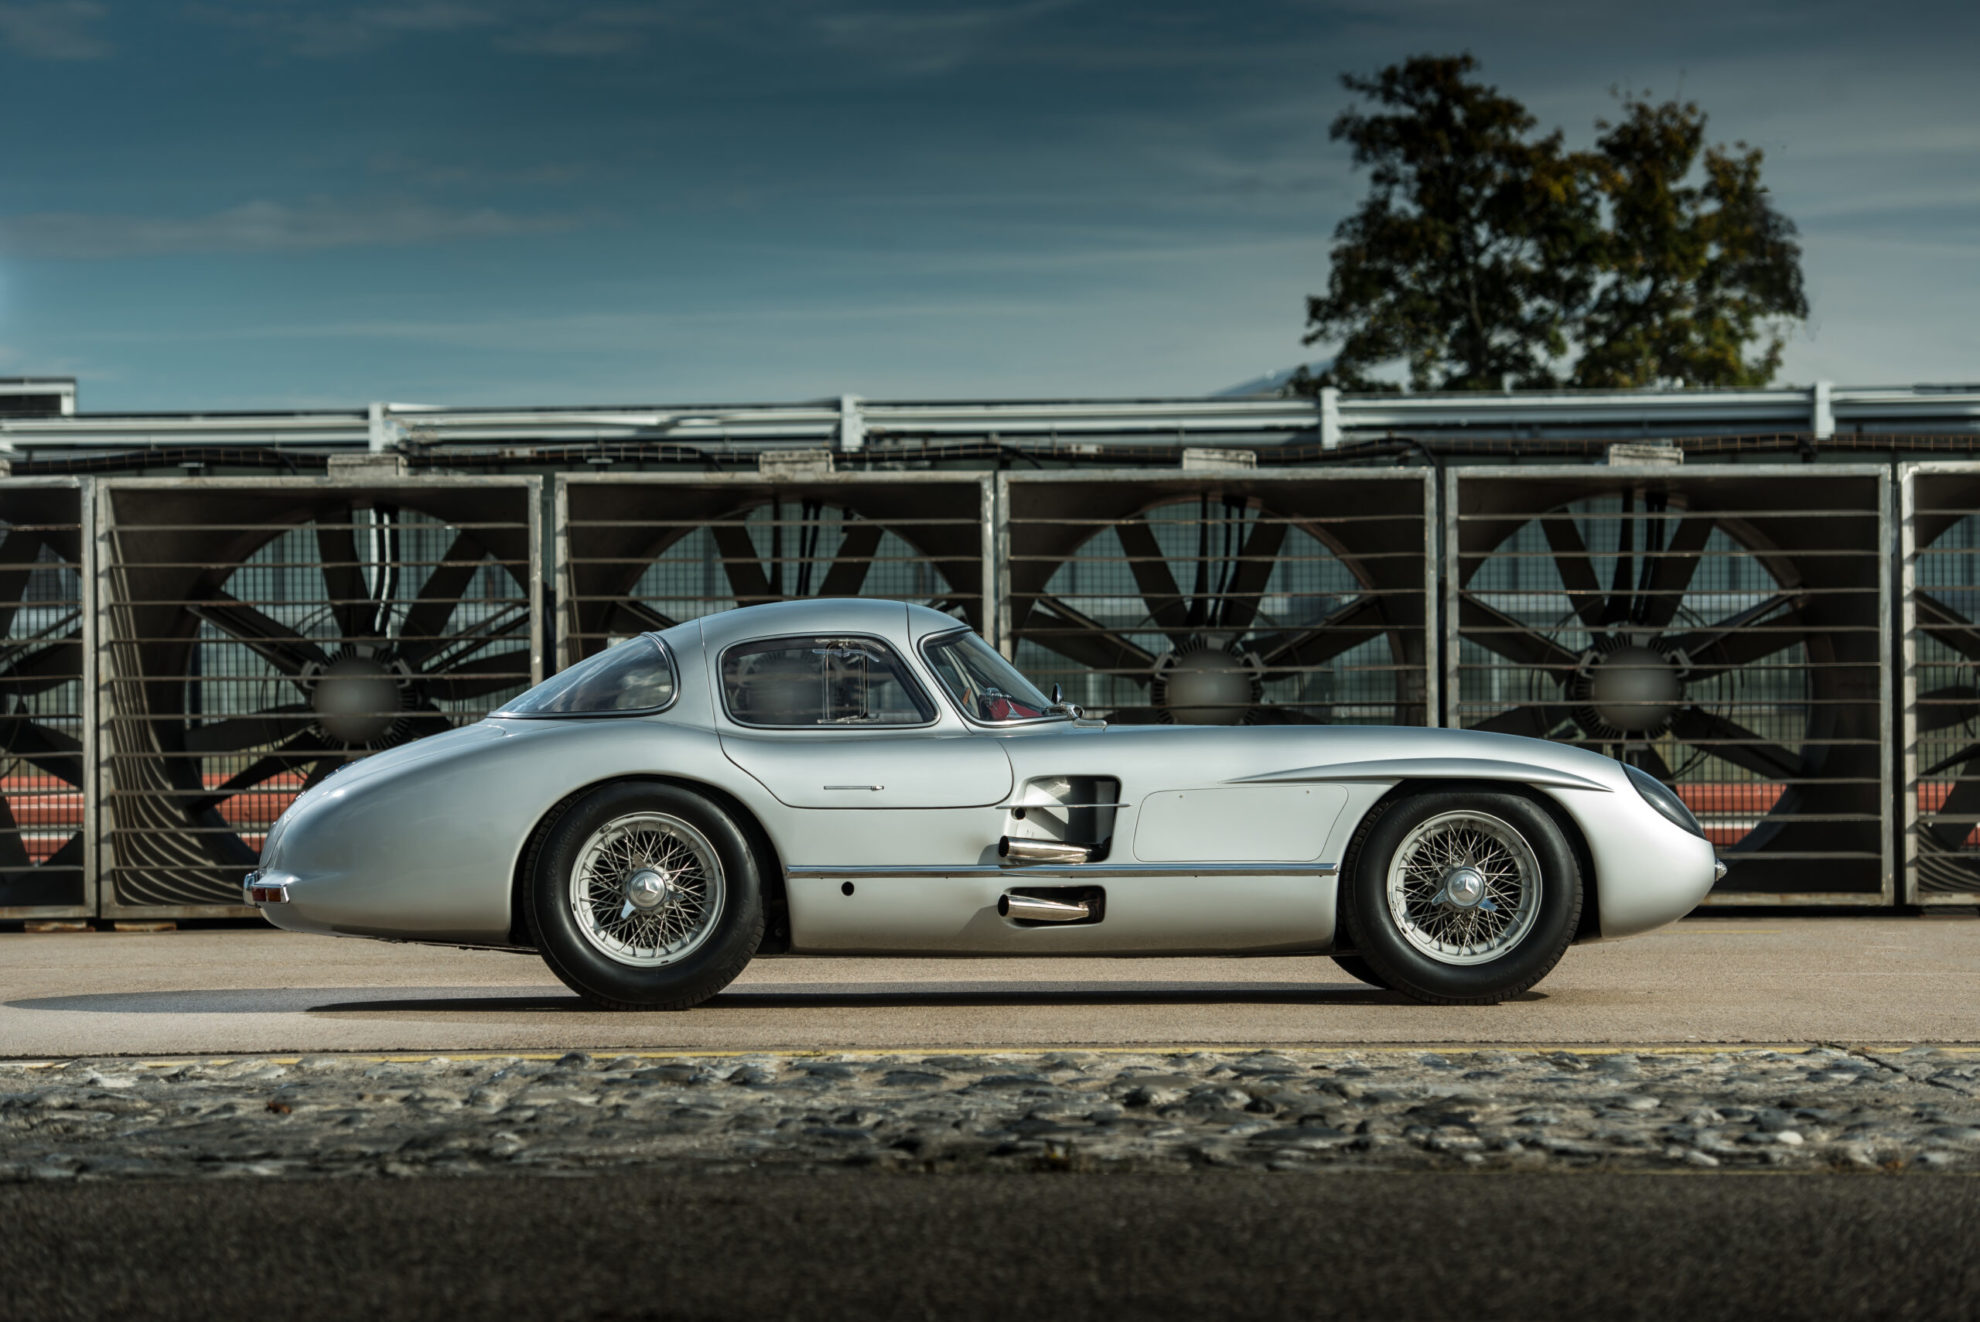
(86,736)
(568,636)
(1908,817)
(849,423)
(1432,683)
(104,534)
(1456,478)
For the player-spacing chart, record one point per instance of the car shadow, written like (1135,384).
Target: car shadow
(492,1002)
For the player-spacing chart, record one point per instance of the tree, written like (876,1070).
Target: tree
(1693,273)
(1486,257)
(1475,244)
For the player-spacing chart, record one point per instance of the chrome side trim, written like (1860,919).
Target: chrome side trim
(1093,870)
(1428,768)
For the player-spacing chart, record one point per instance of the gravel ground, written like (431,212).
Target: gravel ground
(1819,1108)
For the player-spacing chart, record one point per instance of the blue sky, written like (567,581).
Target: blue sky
(272,203)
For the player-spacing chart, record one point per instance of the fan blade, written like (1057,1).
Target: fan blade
(238,733)
(269,639)
(55,752)
(854,561)
(748,584)
(1962,755)
(1673,571)
(1584,590)
(299,750)
(1501,633)
(446,653)
(1347,626)
(1084,639)
(49,667)
(1136,716)
(1256,561)
(483,675)
(1955,819)
(1622,590)
(1947,625)
(1731,742)
(1153,579)
(1955,704)
(350,602)
(648,619)
(426,619)
(13,849)
(19,551)
(1534,722)
(1727,645)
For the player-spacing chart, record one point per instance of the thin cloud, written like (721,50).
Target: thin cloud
(262,227)
(54,30)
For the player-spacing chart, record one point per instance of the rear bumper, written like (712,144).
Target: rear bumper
(260,889)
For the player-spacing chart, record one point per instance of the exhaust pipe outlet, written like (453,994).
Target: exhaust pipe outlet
(1042,851)
(1031,909)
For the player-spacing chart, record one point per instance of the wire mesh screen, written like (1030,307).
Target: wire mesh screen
(41,684)
(259,642)
(1222,602)
(1942,701)
(647,554)
(1724,634)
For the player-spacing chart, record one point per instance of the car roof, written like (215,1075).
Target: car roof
(898,621)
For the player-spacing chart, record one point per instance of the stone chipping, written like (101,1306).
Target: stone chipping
(1823,1107)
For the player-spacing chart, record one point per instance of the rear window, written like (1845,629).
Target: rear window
(635,676)
(821,682)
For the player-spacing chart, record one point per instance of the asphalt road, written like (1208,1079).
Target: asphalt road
(1715,979)
(1209,1245)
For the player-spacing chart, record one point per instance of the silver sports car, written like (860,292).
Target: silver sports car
(863,777)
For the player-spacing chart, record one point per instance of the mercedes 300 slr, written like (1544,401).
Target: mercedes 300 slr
(863,777)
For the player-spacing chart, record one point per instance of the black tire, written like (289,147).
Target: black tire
(1357,967)
(1379,938)
(731,936)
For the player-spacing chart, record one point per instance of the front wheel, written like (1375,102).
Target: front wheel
(644,896)
(1461,897)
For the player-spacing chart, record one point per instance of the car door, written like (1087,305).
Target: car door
(841,721)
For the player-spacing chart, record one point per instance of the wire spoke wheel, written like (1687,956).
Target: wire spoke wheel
(1464,888)
(647,889)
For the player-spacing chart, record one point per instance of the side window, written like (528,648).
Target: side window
(821,681)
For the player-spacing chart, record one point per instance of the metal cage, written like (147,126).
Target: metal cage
(1248,596)
(646,551)
(1938,699)
(1724,628)
(45,672)
(255,635)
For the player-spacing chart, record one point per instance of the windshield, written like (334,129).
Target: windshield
(984,685)
(635,676)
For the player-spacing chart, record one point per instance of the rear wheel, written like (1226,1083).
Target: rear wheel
(1461,897)
(644,896)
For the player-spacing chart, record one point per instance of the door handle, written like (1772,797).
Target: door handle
(855,787)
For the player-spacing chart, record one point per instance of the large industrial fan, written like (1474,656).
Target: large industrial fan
(262,638)
(1941,697)
(41,701)
(647,552)
(1253,599)
(1721,629)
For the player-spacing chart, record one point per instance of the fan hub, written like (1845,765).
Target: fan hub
(1635,689)
(1207,686)
(356,699)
